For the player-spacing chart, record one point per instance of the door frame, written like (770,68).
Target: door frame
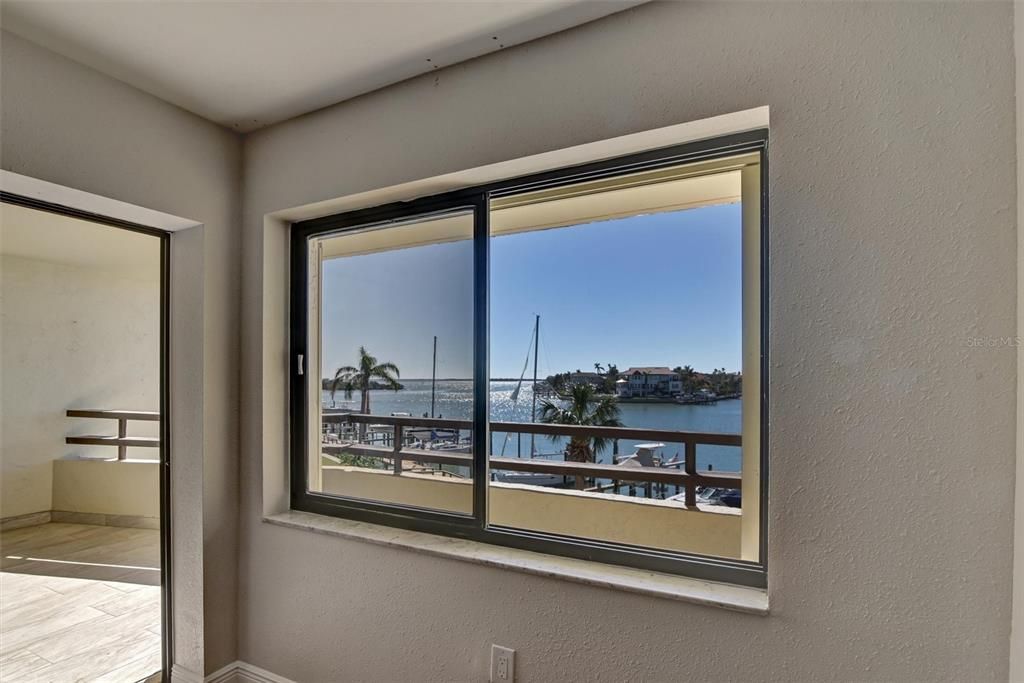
(166,611)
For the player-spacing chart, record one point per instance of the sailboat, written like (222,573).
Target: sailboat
(530,478)
(432,437)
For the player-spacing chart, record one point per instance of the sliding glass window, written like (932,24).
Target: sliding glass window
(629,290)
(390,334)
(572,363)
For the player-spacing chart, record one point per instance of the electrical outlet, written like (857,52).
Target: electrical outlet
(503,664)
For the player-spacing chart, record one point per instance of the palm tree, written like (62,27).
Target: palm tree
(350,378)
(610,378)
(585,408)
(598,367)
(689,377)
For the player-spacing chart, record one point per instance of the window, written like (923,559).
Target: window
(491,363)
(412,278)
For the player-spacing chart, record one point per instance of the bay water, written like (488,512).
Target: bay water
(454,400)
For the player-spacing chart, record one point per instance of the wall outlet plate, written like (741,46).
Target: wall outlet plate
(503,661)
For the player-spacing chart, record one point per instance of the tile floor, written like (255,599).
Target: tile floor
(79,603)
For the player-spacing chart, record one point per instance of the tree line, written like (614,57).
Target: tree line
(719,380)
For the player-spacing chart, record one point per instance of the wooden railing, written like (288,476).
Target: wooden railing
(122,440)
(680,473)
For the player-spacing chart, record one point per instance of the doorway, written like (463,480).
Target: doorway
(85,507)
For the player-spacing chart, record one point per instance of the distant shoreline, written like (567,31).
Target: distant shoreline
(467,379)
(690,402)
(457,379)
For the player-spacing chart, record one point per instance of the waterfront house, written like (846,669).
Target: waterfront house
(642,382)
(592,378)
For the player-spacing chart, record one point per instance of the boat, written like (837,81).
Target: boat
(535,343)
(645,456)
(530,479)
(713,495)
(427,437)
(699,398)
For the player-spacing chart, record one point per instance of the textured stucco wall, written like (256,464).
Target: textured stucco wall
(892,243)
(1017,631)
(67,124)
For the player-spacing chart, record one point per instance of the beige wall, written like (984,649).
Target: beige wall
(66,124)
(129,488)
(570,513)
(892,439)
(72,335)
(1017,633)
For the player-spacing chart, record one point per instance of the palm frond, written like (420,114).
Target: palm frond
(389,368)
(552,413)
(583,407)
(343,378)
(345,384)
(344,371)
(348,387)
(366,361)
(351,378)
(390,382)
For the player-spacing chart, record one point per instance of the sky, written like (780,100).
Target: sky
(661,289)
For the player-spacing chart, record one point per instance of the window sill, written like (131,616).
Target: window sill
(737,598)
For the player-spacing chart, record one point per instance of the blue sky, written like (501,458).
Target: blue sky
(662,289)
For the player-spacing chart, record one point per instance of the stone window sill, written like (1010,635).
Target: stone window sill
(708,593)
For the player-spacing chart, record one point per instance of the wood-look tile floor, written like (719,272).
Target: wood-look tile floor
(79,603)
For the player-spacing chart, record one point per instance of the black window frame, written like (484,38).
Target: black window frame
(475,526)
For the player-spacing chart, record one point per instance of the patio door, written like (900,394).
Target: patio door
(85,531)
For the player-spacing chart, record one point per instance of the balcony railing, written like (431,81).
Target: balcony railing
(682,473)
(122,440)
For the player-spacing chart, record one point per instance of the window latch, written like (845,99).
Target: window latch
(300,364)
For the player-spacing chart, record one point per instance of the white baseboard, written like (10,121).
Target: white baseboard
(242,672)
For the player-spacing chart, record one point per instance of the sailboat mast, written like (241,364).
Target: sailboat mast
(433,379)
(533,410)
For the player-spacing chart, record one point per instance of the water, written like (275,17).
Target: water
(454,400)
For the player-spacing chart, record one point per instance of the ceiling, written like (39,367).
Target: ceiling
(251,63)
(42,236)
